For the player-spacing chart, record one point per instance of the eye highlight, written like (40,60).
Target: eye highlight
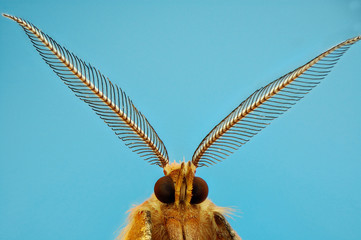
(164,190)
(200,190)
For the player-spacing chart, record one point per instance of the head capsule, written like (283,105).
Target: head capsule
(179,185)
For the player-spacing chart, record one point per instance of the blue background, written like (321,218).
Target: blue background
(65,175)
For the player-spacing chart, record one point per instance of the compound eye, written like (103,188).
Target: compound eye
(200,190)
(164,190)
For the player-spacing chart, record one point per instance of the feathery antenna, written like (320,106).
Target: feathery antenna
(108,101)
(264,105)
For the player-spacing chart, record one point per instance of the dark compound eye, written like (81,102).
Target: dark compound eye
(200,190)
(164,189)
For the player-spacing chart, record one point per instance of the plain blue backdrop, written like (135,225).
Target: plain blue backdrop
(185,64)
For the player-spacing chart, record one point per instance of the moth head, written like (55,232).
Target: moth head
(180,186)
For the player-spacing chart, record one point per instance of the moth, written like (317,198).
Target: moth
(179,208)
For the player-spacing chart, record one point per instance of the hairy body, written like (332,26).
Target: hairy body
(158,221)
